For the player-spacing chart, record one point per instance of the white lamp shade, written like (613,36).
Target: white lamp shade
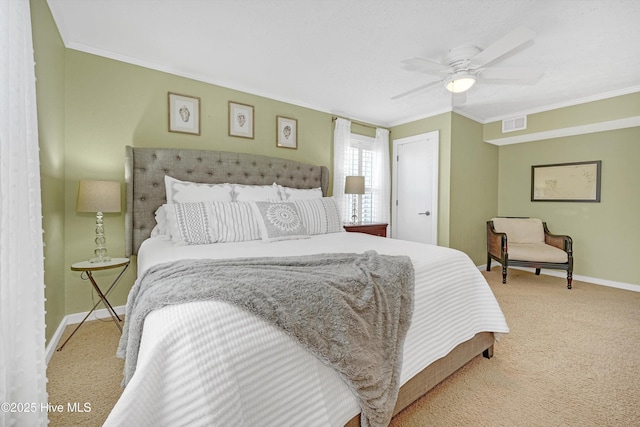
(98,196)
(354,185)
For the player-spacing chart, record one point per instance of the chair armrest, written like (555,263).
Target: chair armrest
(560,241)
(496,242)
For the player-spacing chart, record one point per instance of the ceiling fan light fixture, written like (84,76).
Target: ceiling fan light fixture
(460,83)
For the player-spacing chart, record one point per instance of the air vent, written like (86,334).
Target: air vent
(518,123)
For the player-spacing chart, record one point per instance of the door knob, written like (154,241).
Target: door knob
(427,213)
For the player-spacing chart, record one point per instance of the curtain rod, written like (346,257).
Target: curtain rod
(333,119)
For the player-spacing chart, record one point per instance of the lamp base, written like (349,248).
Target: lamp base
(354,211)
(100,251)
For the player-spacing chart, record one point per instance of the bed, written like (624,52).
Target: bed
(212,363)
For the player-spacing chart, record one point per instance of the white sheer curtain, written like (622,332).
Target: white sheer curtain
(382,177)
(22,340)
(341,139)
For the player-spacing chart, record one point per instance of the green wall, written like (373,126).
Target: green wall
(474,187)
(49,57)
(111,104)
(606,235)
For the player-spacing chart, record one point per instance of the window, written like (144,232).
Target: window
(361,160)
(356,155)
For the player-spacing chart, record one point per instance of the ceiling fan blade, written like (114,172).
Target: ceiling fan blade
(515,38)
(415,90)
(423,65)
(504,73)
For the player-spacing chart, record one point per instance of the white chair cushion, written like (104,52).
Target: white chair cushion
(539,252)
(520,230)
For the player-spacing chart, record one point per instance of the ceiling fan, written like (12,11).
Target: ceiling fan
(464,65)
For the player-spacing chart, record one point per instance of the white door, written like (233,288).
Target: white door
(415,188)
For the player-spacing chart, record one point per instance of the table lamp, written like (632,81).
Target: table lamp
(354,185)
(99,197)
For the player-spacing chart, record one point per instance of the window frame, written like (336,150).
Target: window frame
(361,143)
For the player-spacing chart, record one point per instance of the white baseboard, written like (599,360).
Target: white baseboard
(594,280)
(72,319)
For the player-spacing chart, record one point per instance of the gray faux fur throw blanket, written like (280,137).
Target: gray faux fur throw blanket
(352,311)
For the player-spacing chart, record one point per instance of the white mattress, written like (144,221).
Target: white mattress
(212,364)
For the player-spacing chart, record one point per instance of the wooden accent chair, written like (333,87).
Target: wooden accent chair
(527,242)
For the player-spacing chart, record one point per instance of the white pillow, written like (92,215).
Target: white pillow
(190,223)
(190,192)
(279,221)
(288,193)
(261,193)
(234,222)
(161,228)
(320,216)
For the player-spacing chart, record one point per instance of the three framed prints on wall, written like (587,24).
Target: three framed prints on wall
(184,117)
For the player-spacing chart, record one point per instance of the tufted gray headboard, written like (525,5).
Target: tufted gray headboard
(145,169)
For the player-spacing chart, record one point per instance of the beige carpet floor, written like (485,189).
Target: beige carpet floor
(571,359)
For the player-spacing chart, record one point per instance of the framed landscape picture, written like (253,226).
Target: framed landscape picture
(184,114)
(287,132)
(241,120)
(566,182)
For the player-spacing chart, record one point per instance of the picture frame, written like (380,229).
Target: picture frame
(566,182)
(241,120)
(286,132)
(184,113)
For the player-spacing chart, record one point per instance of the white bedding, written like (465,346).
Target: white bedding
(212,364)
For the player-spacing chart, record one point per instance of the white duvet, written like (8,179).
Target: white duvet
(212,364)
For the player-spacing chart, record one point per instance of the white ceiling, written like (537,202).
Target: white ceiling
(344,56)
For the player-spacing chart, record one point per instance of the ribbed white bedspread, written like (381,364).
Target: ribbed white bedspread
(212,364)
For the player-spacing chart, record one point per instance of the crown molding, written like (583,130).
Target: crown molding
(550,107)
(569,131)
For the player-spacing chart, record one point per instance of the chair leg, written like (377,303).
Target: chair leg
(569,279)
(537,271)
(504,274)
(488,262)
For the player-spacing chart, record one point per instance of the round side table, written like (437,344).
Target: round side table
(87,268)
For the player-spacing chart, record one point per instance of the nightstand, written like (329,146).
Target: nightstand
(375,229)
(87,268)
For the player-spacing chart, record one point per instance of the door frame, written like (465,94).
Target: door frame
(433,139)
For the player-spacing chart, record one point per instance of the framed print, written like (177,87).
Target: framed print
(566,182)
(240,120)
(184,114)
(287,132)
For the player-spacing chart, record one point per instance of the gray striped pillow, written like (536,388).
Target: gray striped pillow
(234,222)
(320,216)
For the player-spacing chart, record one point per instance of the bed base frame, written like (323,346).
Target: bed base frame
(435,373)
